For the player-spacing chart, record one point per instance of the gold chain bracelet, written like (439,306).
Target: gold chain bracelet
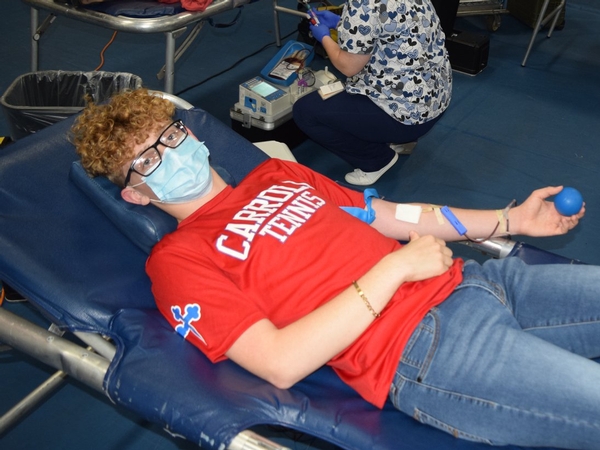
(365,299)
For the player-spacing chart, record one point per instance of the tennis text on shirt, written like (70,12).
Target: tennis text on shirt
(261,217)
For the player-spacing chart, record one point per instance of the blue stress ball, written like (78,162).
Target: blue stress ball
(568,201)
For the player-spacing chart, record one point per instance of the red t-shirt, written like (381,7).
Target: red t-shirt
(278,246)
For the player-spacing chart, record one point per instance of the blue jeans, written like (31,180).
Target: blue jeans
(354,128)
(504,360)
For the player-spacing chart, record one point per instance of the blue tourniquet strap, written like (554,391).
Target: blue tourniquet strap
(367,214)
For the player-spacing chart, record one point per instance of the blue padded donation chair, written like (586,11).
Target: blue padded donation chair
(76,251)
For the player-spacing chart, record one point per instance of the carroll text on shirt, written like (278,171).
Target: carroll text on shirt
(263,216)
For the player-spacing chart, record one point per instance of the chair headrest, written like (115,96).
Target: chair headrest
(231,156)
(143,225)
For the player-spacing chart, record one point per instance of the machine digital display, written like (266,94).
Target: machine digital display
(263,89)
(264,105)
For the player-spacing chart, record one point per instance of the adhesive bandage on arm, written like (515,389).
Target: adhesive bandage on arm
(412,213)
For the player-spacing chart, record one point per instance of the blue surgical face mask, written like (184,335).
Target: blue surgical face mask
(183,175)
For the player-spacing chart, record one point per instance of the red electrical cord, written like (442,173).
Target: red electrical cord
(104,49)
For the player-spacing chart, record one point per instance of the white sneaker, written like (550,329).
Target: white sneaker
(360,178)
(404,149)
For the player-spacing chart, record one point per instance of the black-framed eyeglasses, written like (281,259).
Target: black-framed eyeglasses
(149,160)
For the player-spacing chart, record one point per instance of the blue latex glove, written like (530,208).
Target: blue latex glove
(328,18)
(319,31)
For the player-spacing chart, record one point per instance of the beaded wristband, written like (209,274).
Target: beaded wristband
(365,299)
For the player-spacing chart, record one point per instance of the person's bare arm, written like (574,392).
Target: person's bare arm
(285,356)
(534,217)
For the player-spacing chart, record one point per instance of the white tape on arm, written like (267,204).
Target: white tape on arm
(408,213)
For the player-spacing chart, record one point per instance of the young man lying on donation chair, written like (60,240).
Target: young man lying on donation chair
(276,276)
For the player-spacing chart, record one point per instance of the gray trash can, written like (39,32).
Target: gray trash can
(36,100)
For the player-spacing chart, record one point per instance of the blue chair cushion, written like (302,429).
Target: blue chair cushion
(144,226)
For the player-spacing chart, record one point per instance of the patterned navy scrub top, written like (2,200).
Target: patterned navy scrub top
(409,74)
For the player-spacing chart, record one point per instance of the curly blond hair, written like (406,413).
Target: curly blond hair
(104,135)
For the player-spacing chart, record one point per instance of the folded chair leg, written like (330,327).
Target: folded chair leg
(541,21)
(556,16)
(21,409)
(172,55)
